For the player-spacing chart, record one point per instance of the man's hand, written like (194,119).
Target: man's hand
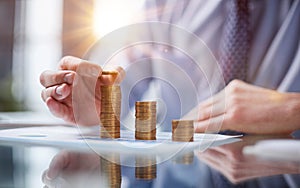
(73,92)
(250,109)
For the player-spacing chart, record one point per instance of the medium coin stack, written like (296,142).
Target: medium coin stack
(183,130)
(110,109)
(111,171)
(145,120)
(145,168)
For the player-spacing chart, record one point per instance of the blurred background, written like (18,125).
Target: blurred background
(36,34)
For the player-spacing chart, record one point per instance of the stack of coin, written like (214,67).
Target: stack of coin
(183,130)
(110,109)
(145,168)
(186,159)
(145,120)
(111,170)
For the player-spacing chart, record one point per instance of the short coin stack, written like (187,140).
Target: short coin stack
(110,109)
(145,120)
(111,170)
(183,130)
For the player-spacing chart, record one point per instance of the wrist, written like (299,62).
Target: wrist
(293,109)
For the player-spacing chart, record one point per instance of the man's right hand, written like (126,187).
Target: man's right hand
(73,91)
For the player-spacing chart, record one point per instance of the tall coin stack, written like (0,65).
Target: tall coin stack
(110,109)
(183,130)
(111,171)
(145,120)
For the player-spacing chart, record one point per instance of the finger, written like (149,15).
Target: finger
(214,160)
(113,79)
(233,154)
(200,113)
(220,163)
(57,182)
(57,165)
(60,110)
(212,154)
(192,115)
(45,179)
(212,125)
(207,108)
(87,69)
(214,99)
(69,63)
(59,92)
(80,66)
(211,111)
(51,78)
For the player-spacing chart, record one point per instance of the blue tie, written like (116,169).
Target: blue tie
(235,43)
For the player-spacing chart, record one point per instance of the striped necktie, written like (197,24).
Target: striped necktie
(235,43)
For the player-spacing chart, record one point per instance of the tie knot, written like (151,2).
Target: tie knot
(240,5)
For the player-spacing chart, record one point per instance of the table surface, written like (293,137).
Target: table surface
(219,166)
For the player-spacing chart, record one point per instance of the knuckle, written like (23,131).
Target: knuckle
(43,78)
(63,63)
(234,86)
(66,59)
(236,82)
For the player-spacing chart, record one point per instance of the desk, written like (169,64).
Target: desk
(221,166)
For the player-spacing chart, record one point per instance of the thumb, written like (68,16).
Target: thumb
(76,64)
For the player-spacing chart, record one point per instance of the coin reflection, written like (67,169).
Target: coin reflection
(145,167)
(111,170)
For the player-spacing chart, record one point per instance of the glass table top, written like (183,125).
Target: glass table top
(26,165)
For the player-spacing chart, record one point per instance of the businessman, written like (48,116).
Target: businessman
(256,44)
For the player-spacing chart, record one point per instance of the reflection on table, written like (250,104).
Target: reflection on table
(237,167)
(221,166)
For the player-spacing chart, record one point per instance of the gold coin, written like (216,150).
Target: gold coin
(114,74)
(109,72)
(145,102)
(145,119)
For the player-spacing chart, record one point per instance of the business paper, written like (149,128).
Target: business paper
(88,139)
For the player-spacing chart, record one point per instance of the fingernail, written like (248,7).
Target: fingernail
(69,78)
(49,177)
(46,176)
(59,90)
